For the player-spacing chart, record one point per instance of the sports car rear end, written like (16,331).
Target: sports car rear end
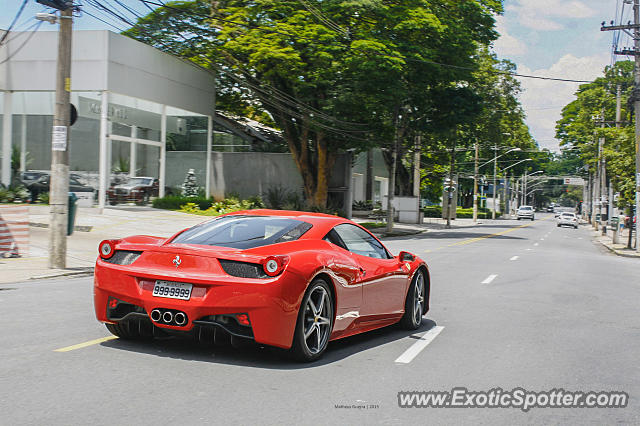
(147,286)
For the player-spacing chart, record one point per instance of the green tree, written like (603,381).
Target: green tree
(579,130)
(346,74)
(367,62)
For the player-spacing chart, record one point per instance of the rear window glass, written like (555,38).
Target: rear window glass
(568,214)
(244,232)
(525,208)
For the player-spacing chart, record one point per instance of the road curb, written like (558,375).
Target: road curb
(79,228)
(67,273)
(617,252)
(397,233)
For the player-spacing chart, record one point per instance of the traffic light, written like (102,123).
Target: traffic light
(57,4)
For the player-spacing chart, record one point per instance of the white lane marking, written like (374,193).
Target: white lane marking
(418,346)
(489,279)
(514,258)
(535,244)
(541,239)
(529,249)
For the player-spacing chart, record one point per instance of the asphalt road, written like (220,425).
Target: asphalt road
(522,305)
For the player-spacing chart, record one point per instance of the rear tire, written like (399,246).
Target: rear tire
(314,324)
(415,303)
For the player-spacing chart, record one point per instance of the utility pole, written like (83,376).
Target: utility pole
(475,186)
(495,170)
(506,179)
(524,190)
(614,225)
(59,189)
(587,197)
(450,193)
(369,184)
(416,166)
(602,185)
(392,178)
(635,52)
(596,186)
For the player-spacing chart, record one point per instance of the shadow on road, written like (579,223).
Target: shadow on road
(266,357)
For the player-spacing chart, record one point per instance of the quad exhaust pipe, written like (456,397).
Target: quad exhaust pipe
(169,317)
(156,315)
(180,318)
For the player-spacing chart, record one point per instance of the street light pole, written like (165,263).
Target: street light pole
(495,170)
(506,179)
(526,183)
(59,189)
(475,187)
(524,190)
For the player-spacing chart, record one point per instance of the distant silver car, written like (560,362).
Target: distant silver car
(525,212)
(568,219)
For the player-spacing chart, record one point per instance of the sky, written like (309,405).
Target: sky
(550,38)
(556,38)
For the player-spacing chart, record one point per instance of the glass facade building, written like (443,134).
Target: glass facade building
(134,103)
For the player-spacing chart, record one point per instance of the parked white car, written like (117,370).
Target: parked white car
(525,212)
(567,219)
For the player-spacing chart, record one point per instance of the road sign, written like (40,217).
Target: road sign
(573,181)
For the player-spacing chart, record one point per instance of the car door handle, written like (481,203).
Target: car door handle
(362,272)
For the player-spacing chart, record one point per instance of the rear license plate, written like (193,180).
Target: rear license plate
(172,290)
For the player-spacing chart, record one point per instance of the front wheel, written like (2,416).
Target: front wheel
(415,304)
(315,322)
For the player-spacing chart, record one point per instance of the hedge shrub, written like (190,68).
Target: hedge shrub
(436,211)
(175,202)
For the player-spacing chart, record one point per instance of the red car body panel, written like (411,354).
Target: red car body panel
(368,292)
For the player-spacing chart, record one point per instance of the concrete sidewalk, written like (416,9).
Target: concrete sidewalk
(82,246)
(620,248)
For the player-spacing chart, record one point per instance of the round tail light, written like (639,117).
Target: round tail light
(273,265)
(107,248)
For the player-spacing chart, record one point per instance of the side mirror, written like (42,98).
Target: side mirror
(405,256)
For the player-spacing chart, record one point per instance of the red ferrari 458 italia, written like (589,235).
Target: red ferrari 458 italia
(294,280)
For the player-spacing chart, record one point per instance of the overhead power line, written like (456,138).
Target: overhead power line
(15,52)
(268,95)
(13,22)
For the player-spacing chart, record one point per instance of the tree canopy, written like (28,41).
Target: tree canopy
(580,128)
(338,75)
